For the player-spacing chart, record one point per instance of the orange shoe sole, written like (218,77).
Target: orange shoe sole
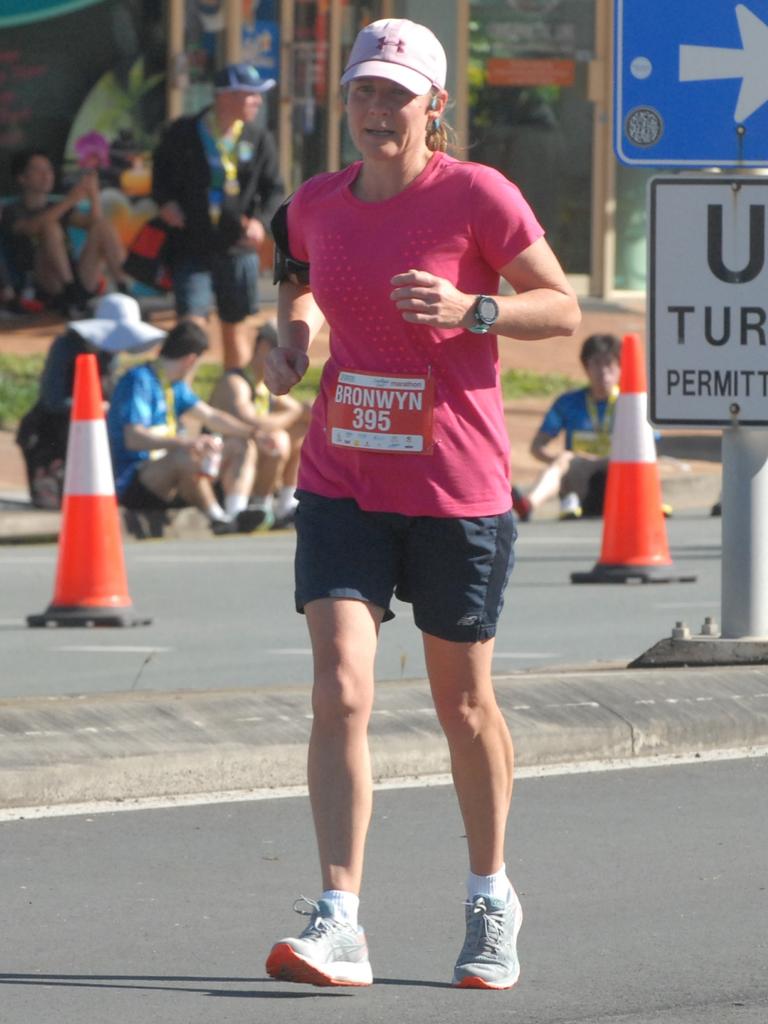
(285,964)
(479,983)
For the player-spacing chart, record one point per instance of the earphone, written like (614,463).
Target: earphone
(433,104)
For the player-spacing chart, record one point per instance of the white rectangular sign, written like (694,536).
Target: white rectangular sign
(708,300)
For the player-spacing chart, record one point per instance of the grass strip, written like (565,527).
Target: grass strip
(20,375)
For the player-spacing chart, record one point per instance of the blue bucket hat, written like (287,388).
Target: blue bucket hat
(241,78)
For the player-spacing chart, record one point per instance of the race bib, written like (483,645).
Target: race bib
(382,413)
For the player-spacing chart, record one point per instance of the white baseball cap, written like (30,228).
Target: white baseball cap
(400,50)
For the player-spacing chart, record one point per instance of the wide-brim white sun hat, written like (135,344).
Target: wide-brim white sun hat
(400,50)
(118,327)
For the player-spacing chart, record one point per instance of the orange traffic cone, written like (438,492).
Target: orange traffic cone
(634,532)
(91,588)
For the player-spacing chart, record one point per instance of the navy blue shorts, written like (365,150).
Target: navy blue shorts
(232,280)
(453,571)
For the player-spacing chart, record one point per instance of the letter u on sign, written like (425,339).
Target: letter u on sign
(715,257)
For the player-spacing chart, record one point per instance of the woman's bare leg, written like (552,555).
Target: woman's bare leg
(482,757)
(344,635)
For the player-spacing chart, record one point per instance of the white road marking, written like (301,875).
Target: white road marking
(411,782)
(39,559)
(107,649)
(670,605)
(575,704)
(525,654)
(182,559)
(526,540)
(288,650)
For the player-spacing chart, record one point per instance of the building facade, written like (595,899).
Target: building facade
(530,85)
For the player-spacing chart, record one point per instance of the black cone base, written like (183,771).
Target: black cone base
(63,615)
(627,573)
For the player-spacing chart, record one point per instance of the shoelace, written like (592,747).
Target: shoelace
(486,927)
(319,925)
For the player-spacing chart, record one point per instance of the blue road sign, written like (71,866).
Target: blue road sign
(691,83)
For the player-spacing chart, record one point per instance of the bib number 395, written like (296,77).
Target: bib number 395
(371,419)
(381,412)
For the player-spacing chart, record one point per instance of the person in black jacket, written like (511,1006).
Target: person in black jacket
(217,184)
(42,434)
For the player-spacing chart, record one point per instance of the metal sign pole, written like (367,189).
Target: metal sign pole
(675,105)
(744,573)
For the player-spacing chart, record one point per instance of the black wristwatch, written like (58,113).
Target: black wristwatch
(486,313)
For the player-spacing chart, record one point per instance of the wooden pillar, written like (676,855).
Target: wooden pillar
(285,90)
(175,59)
(603,224)
(333,140)
(233,40)
(461,99)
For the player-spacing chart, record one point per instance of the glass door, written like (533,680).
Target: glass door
(529,115)
(309,88)
(354,16)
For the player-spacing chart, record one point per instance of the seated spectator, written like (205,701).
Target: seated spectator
(158,464)
(578,472)
(43,431)
(34,234)
(280,423)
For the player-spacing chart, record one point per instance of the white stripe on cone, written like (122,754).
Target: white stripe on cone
(632,437)
(89,464)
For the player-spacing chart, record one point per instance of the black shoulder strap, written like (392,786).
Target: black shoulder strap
(287,267)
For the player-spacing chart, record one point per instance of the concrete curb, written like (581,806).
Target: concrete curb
(66,750)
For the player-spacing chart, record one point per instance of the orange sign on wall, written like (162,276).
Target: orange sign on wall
(521,71)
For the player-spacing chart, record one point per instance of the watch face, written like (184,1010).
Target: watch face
(487,310)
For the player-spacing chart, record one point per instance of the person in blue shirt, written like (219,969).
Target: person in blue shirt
(158,464)
(577,472)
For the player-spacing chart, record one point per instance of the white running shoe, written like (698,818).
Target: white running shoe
(488,958)
(329,951)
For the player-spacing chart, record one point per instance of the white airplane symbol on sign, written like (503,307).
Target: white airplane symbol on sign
(709,63)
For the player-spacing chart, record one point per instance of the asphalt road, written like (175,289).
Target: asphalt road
(644,892)
(223,615)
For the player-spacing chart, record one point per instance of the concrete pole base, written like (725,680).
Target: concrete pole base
(674,652)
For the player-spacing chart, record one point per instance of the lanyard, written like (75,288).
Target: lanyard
(605,425)
(170,400)
(221,154)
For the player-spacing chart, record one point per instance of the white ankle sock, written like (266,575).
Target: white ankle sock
(286,501)
(262,501)
(496,885)
(345,904)
(217,514)
(235,503)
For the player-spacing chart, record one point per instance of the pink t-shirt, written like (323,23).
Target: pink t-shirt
(460,221)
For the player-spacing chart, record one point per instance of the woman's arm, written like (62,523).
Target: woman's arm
(299,320)
(544,304)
